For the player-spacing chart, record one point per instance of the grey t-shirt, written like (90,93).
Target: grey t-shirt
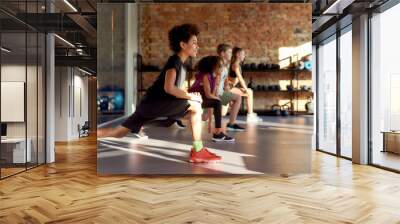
(181,78)
(224,75)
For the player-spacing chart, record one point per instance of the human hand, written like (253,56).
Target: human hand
(196,97)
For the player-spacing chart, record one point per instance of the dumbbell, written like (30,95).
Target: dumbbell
(276,110)
(253,66)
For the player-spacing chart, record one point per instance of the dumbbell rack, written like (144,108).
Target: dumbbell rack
(295,95)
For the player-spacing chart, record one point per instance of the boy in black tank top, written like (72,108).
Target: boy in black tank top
(167,98)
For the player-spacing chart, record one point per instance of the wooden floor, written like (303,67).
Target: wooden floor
(70,191)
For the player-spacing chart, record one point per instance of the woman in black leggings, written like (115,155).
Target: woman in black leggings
(207,81)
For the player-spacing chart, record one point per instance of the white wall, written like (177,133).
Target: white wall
(33,127)
(71,94)
(15,73)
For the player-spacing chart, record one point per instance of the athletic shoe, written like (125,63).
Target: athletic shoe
(180,124)
(221,137)
(140,135)
(253,118)
(203,156)
(234,127)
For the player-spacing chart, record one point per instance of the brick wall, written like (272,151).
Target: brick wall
(260,28)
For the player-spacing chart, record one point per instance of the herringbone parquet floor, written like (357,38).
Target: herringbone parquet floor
(70,191)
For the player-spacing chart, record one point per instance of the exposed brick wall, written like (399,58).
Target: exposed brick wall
(260,28)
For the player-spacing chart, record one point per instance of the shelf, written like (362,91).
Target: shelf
(270,112)
(158,71)
(276,70)
(282,91)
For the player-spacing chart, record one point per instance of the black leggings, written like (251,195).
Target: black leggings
(216,105)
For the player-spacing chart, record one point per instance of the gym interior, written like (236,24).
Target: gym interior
(281,88)
(324,78)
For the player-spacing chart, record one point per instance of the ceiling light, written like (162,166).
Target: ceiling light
(5,50)
(65,41)
(70,5)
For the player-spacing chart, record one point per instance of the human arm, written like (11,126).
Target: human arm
(210,94)
(170,88)
(240,77)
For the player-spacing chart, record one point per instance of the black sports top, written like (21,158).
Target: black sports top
(232,73)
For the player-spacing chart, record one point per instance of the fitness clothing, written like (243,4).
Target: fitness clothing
(156,92)
(203,156)
(157,103)
(198,86)
(232,73)
(224,75)
(216,105)
(221,137)
(226,97)
(234,127)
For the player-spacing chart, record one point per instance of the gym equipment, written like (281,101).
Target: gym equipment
(262,66)
(275,66)
(270,87)
(251,84)
(309,88)
(103,103)
(259,87)
(300,65)
(276,87)
(139,62)
(307,65)
(285,110)
(309,106)
(253,66)
(246,67)
(289,88)
(276,110)
(303,88)
(268,66)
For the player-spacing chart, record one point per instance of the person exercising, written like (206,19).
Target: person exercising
(167,97)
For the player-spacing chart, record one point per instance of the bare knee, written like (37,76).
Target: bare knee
(195,107)
(250,92)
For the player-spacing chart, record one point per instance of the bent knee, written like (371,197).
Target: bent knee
(195,107)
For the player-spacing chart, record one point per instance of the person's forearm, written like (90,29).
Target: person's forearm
(211,96)
(215,90)
(179,93)
(242,83)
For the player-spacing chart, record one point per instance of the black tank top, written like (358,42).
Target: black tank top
(232,73)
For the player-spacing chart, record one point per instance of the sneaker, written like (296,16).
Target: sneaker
(253,118)
(221,137)
(203,156)
(140,135)
(180,124)
(234,127)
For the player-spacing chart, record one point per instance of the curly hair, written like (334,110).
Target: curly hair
(181,33)
(209,64)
